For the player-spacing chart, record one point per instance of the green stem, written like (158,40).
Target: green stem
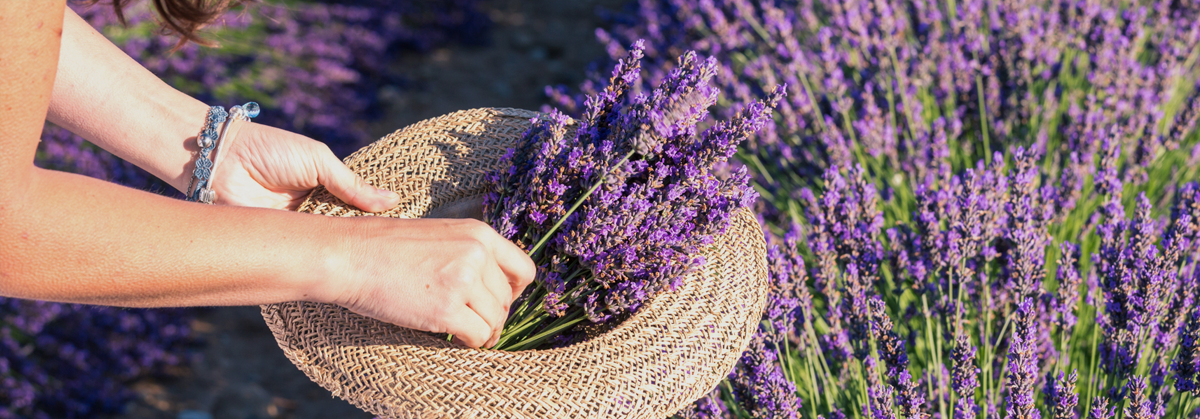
(526,325)
(815,389)
(553,330)
(983,343)
(813,100)
(983,121)
(930,339)
(734,408)
(908,117)
(1092,368)
(1179,406)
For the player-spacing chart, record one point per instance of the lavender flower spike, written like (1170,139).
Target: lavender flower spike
(1060,394)
(1022,366)
(1187,362)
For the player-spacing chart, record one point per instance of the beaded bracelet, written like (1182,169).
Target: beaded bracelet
(209,139)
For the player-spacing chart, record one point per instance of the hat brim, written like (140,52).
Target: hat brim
(676,348)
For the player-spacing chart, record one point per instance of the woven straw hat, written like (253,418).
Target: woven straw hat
(672,352)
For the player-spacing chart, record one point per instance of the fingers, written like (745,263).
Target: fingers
(351,188)
(486,304)
(517,266)
(468,327)
(497,284)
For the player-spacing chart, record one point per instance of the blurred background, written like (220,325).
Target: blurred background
(345,73)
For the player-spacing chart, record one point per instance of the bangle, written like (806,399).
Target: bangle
(206,168)
(206,140)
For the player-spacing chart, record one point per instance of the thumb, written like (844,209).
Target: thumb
(351,188)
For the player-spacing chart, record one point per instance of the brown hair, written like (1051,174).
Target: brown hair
(183,17)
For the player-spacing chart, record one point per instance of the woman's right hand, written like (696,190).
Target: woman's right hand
(454,276)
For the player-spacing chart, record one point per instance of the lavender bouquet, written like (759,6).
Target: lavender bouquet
(615,209)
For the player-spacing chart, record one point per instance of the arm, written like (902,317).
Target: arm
(70,238)
(103,95)
(106,97)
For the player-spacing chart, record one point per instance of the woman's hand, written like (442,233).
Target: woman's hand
(454,276)
(273,168)
(441,275)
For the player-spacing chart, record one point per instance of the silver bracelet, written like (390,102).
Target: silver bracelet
(206,168)
(206,140)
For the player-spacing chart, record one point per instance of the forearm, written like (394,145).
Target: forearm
(106,97)
(77,239)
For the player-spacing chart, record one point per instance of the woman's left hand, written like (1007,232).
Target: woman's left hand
(273,168)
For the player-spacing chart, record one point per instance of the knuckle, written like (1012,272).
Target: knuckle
(321,148)
(477,228)
(473,250)
(530,272)
(461,277)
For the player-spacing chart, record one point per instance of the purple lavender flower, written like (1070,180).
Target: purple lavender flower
(708,407)
(1027,217)
(1123,273)
(68,360)
(1069,281)
(1141,406)
(880,398)
(1101,410)
(1022,365)
(1187,361)
(1061,396)
(789,300)
(965,375)
(845,227)
(760,385)
(891,350)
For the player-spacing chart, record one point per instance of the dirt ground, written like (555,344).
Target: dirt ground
(534,43)
(243,373)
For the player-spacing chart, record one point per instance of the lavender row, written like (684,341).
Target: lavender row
(982,208)
(73,361)
(894,85)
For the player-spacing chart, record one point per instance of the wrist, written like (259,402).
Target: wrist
(322,277)
(175,165)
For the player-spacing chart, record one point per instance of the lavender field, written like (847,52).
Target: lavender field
(974,208)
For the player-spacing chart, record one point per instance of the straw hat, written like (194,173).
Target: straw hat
(672,352)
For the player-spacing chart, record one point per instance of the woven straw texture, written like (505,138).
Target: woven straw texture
(673,351)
